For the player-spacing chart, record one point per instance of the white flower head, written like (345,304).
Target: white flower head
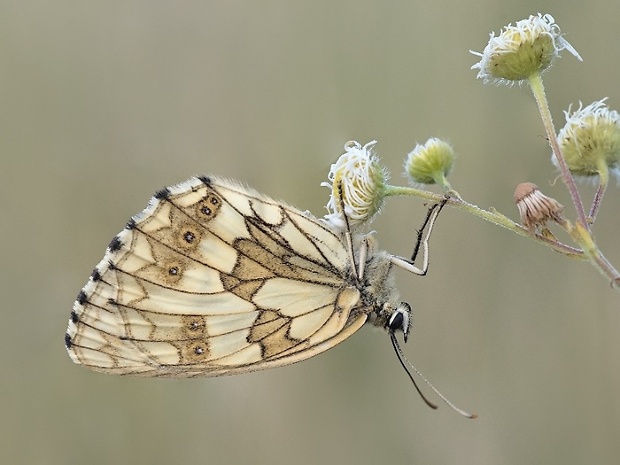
(357,181)
(521,50)
(590,141)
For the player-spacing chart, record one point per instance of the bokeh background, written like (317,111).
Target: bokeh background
(102,103)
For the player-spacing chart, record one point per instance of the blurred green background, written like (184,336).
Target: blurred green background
(102,103)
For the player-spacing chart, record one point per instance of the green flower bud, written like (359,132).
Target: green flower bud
(430,163)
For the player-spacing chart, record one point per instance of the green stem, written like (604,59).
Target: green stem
(538,89)
(580,232)
(491,216)
(600,192)
(584,238)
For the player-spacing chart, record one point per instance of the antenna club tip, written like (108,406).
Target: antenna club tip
(473,416)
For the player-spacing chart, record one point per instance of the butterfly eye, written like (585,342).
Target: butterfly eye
(400,319)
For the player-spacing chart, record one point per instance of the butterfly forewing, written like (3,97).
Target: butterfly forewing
(213,278)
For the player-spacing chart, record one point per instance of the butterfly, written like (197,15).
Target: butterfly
(214,278)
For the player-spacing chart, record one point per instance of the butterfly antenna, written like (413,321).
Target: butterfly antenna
(405,363)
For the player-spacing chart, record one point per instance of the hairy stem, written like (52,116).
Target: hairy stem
(487,215)
(538,90)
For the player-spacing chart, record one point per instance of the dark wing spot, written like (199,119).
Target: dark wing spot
(194,351)
(82,298)
(193,326)
(115,244)
(162,194)
(95,275)
(68,342)
(188,236)
(205,180)
(131,224)
(74,317)
(208,207)
(196,326)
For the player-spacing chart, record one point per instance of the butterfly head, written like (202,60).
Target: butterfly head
(400,319)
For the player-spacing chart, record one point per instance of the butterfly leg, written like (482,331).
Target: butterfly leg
(422,241)
(364,246)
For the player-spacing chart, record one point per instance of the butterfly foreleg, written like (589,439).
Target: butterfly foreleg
(421,242)
(364,246)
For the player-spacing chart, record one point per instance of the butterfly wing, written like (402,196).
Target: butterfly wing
(213,278)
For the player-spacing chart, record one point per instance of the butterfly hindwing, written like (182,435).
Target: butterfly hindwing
(214,278)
